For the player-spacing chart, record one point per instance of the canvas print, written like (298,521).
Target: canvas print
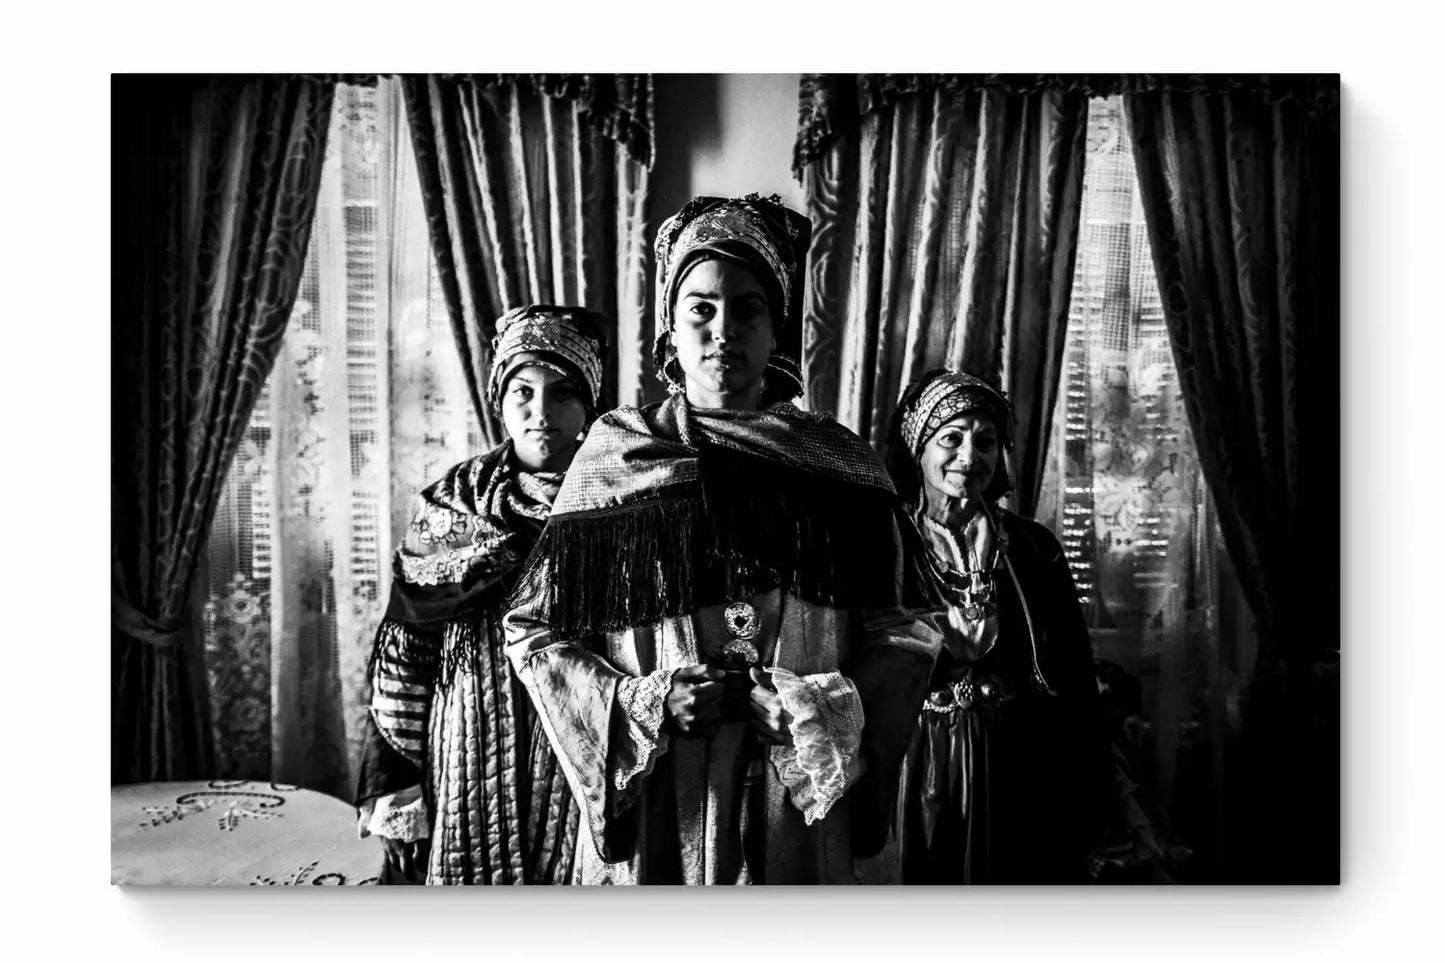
(725,479)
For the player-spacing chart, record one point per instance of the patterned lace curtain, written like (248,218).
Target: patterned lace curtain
(1124,493)
(367,402)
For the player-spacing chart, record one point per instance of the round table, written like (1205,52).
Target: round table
(236,833)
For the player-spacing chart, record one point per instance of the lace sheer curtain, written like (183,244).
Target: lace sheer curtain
(1125,495)
(366,404)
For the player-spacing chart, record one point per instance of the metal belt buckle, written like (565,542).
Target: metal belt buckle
(941,701)
(964,693)
(957,696)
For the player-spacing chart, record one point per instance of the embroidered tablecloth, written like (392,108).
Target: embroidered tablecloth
(236,833)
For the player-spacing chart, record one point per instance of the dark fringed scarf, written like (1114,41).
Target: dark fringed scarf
(672,508)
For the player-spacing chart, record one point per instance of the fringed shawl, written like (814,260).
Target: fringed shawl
(466,542)
(670,508)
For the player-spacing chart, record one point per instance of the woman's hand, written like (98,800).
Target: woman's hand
(407,858)
(769,719)
(695,704)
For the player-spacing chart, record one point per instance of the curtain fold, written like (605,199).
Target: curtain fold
(535,189)
(216,182)
(945,229)
(1241,196)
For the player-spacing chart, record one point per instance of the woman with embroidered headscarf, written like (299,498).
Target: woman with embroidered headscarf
(1008,774)
(457,776)
(724,626)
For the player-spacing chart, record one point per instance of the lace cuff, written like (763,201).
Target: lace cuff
(399,815)
(827,730)
(643,700)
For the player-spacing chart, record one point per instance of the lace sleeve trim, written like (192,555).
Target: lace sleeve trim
(643,701)
(827,729)
(399,815)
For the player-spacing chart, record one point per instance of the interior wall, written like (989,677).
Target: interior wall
(724,135)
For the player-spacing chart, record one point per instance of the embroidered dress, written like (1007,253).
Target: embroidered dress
(669,517)
(1005,780)
(1007,776)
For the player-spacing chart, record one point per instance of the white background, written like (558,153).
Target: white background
(55,720)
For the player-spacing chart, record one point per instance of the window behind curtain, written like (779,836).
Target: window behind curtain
(366,405)
(1125,496)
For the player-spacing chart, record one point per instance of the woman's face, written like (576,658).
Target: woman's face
(723,333)
(960,459)
(544,413)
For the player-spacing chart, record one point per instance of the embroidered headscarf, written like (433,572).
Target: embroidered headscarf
(759,232)
(569,340)
(930,403)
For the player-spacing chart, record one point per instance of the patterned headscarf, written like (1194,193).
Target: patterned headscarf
(946,395)
(569,340)
(760,232)
(932,402)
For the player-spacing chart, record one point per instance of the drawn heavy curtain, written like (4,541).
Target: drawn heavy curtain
(216,181)
(1240,187)
(535,190)
(945,216)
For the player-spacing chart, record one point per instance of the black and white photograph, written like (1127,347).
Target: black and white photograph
(966,469)
(725,479)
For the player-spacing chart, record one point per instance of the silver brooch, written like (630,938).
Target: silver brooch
(741,620)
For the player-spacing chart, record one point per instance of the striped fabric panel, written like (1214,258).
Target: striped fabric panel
(502,817)
(404,708)
(471,733)
(553,818)
(441,866)
(500,761)
(412,747)
(395,688)
(477,835)
(402,677)
(458,837)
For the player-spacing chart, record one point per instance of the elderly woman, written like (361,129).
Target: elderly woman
(725,625)
(457,776)
(1007,777)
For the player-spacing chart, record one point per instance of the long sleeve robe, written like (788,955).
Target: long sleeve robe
(662,808)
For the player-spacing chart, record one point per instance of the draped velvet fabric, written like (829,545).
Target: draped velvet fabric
(535,190)
(1241,195)
(945,223)
(215,184)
